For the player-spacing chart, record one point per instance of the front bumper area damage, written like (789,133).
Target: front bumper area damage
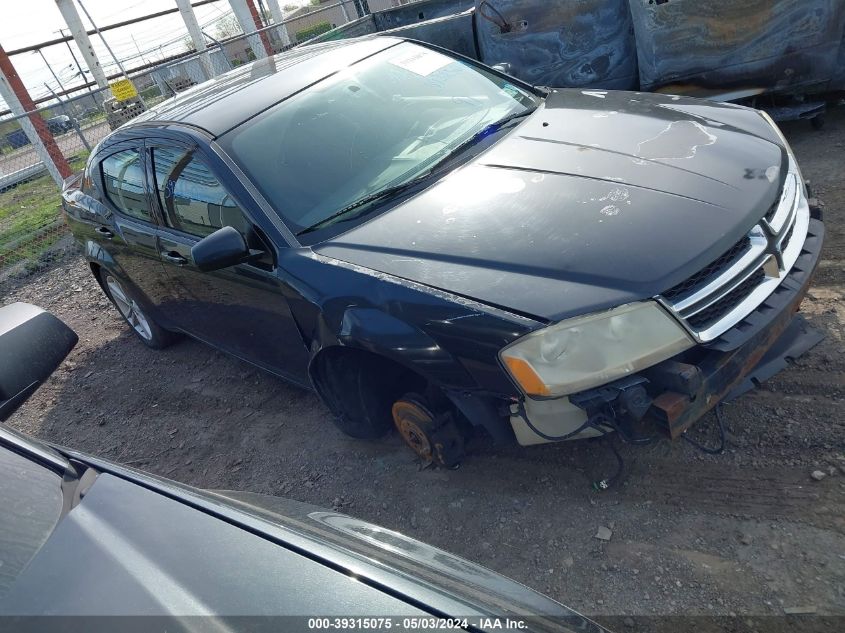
(671,396)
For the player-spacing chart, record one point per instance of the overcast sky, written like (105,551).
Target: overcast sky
(27,22)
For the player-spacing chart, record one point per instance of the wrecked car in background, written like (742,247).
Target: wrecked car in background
(722,50)
(431,244)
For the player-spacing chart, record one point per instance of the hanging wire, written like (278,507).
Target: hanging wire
(501,22)
(718,450)
(609,482)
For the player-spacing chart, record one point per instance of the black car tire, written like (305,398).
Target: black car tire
(142,325)
(363,411)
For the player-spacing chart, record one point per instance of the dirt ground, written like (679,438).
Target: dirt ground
(748,532)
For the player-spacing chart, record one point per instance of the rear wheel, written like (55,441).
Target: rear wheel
(145,328)
(434,438)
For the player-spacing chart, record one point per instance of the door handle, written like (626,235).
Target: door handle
(104,232)
(174,258)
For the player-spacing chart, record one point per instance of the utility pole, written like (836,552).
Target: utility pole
(197,38)
(77,30)
(138,48)
(21,104)
(73,55)
(52,72)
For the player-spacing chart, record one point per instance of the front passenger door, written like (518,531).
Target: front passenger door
(241,309)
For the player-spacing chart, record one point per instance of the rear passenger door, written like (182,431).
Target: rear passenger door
(241,309)
(130,235)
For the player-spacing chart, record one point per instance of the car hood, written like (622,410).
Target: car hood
(597,199)
(484,589)
(136,544)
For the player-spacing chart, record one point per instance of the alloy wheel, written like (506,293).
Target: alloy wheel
(129,308)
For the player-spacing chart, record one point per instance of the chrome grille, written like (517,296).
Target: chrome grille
(723,293)
(693,282)
(712,313)
(770,214)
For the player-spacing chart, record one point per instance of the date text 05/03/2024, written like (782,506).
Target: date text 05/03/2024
(416,623)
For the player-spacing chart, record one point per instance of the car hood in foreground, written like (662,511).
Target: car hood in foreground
(597,199)
(140,545)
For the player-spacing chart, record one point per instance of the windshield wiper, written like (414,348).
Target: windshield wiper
(486,131)
(377,195)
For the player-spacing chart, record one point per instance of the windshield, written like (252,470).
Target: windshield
(375,125)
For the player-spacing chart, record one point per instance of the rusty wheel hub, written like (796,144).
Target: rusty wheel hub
(412,420)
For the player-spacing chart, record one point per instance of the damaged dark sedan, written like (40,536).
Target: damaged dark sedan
(432,244)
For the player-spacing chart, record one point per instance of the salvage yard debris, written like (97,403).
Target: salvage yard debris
(603,533)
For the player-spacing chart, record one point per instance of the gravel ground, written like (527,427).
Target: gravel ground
(749,532)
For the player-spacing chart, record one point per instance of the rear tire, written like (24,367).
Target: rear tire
(142,325)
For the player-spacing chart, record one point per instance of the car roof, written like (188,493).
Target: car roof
(230,99)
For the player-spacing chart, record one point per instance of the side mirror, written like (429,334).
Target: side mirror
(32,344)
(223,248)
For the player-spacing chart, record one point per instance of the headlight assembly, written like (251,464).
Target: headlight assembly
(588,351)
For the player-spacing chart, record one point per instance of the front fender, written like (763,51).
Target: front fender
(375,331)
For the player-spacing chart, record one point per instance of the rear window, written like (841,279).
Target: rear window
(123,179)
(30,506)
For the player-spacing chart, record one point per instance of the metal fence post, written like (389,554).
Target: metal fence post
(278,18)
(221,48)
(34,126)
(194,31)
(74,22)
(72,118)
(241,9)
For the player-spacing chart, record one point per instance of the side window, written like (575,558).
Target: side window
(123,180)
(193,200)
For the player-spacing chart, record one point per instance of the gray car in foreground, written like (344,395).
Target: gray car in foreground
(82,538)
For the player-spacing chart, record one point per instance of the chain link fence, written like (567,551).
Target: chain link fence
(30,213)
(30,204)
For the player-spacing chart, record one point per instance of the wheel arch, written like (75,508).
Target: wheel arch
(99,258)
(371,358)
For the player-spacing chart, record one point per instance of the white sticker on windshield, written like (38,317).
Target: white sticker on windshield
(422,62)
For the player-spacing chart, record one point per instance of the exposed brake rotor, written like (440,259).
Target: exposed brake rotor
(435,439)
